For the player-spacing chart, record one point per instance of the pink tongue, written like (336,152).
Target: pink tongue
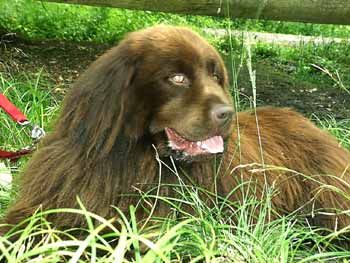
(213,145)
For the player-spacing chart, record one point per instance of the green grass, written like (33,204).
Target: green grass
(304,61)
(319,64)
(37,20)
(41,20)
(223,232)
(33,96)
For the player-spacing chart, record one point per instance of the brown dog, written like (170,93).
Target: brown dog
(163,86)
(306,166)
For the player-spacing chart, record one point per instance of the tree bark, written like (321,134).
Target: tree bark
(314,11)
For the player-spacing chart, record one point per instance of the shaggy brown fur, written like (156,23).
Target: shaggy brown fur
(101,146)
(288,141)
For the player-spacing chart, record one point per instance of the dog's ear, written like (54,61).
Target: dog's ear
(94,110)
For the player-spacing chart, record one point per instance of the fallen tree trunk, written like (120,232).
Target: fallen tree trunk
(314,11)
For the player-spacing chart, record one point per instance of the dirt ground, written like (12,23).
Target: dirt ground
(64,62)
(277,87)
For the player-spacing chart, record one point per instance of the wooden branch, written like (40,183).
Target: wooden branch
(314,11)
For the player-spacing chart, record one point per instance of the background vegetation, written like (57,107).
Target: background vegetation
(222,233)
(35,19)
(40,20)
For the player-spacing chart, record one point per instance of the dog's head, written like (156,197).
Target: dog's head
(165,85)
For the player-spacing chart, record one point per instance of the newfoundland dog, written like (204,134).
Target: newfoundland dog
(162,88)
(164,91)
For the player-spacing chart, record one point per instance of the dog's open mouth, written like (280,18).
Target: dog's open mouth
(211,145)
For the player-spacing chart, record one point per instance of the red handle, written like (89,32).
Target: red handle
(11,109)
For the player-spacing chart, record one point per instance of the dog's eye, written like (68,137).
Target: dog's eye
(179,79)
(216,77)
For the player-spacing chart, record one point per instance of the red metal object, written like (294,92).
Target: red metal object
(21,119)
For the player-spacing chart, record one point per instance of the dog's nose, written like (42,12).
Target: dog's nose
(221,114)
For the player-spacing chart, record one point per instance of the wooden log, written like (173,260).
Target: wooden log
(314,11)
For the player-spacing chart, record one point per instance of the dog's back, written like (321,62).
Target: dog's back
(307,166)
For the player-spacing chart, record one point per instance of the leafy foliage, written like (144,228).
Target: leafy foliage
(41,20)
